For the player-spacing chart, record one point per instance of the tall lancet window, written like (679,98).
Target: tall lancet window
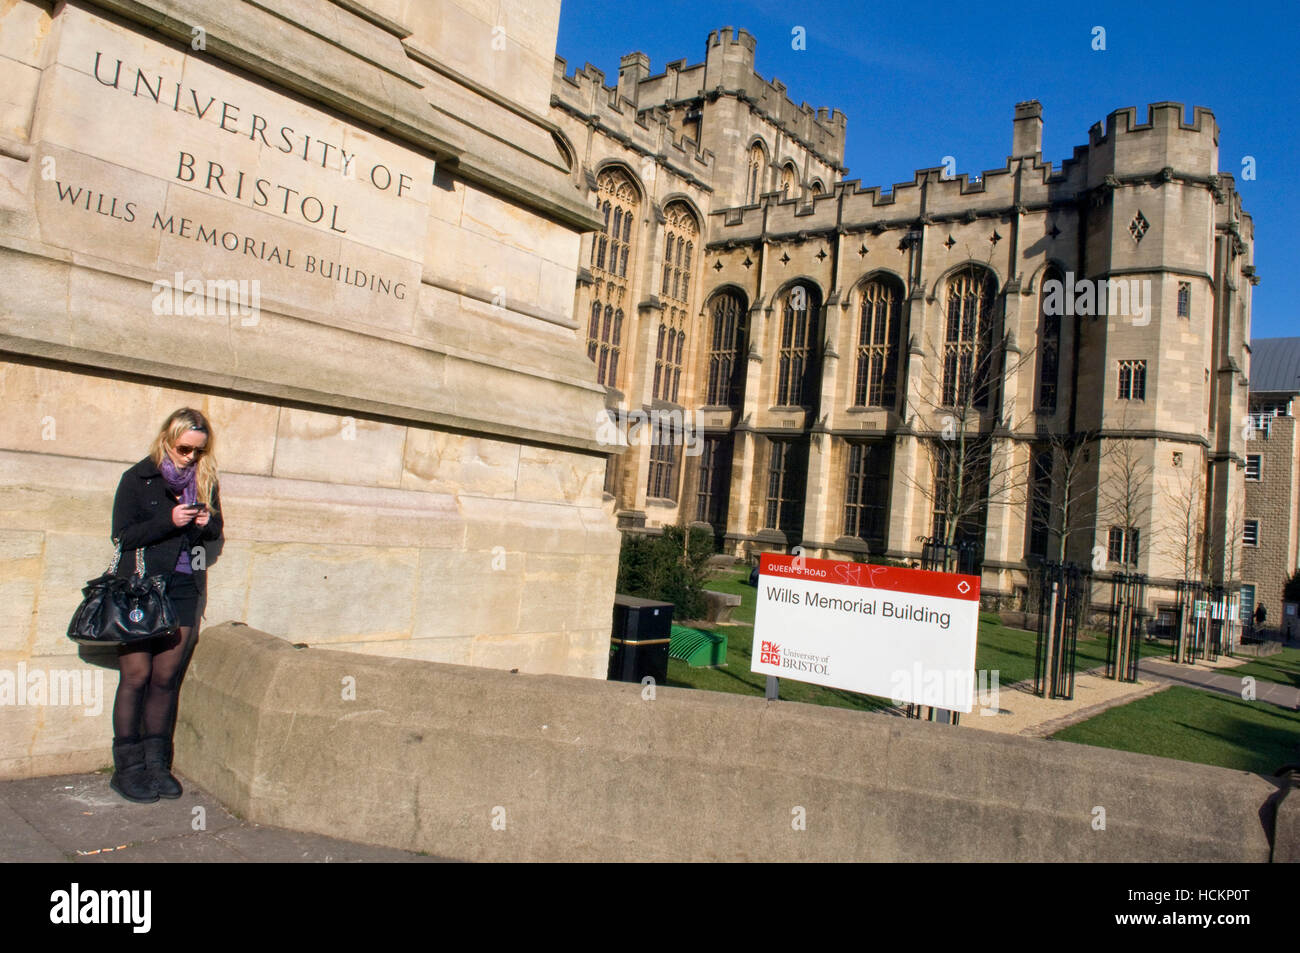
(681,235)
(618,202)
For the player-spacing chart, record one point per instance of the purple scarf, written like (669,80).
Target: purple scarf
(184,483)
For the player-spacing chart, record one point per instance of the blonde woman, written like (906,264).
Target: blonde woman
(167,505)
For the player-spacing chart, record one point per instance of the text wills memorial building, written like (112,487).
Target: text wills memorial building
(1042,361)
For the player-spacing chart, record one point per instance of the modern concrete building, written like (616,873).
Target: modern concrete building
(1045,361)
(1270,519)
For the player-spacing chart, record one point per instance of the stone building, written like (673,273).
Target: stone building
(1041,361)
(1270,519)
(347,233)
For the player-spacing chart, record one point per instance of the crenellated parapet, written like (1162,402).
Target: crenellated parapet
(650,131)
(1163,149)
(729,70)
(1125,147)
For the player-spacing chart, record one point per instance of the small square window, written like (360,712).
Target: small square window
(1250,533)
(1178,458)
(1252,466)
(1122,547)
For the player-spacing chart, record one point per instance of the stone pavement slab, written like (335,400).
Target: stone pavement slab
(20,842)
(79,818)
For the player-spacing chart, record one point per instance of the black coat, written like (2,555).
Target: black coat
(142,517)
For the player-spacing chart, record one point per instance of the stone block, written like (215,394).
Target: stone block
(338,449)
(581,769)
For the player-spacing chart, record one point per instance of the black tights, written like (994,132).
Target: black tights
(150,684)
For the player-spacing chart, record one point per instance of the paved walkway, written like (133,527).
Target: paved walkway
(1021,712)
(1203,676)
(79,818)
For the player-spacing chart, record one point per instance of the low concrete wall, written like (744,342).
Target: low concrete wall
(484,764)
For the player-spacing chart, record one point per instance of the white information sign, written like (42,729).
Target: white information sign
(904,634)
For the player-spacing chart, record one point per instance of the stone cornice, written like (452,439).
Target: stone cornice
(399,30)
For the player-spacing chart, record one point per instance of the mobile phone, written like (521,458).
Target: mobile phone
(198,506)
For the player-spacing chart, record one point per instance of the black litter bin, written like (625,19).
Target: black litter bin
(639,643)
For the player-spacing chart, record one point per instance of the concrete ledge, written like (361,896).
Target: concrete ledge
(427,756)
(720,605)
(1284,812)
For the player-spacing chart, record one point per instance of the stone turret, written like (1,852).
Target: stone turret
(632,68)
(1027,130)
(729,59)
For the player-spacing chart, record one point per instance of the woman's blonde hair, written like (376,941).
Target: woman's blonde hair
(180,422)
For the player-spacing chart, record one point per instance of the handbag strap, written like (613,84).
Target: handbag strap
(117,556)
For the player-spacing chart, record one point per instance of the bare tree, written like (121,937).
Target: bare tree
(1060,506)
(1124,502)
(1234,527)
(1184,538)
(1184,523)
(964,435)
(1124,492)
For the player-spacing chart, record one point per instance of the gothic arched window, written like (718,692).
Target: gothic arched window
(796,354)
(968,351)
(681,232)
(1049,342)
(789,180)
(618,202)
(727,337)
(757,166)
(878,340)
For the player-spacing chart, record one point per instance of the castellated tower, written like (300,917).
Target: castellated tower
(759,127)
(1162,376)
(823,335)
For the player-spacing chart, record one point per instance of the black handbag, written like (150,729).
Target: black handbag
(117,610)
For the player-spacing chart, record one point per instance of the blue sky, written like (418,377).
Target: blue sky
(918,82)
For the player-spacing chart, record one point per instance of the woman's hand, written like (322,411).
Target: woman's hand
(204,517)
(182,515)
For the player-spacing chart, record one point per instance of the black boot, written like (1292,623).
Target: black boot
(158,762)
(130,776)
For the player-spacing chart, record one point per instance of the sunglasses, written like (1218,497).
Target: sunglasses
(187,451)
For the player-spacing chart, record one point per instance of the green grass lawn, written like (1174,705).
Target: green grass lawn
(1284,667)
(1191,724)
